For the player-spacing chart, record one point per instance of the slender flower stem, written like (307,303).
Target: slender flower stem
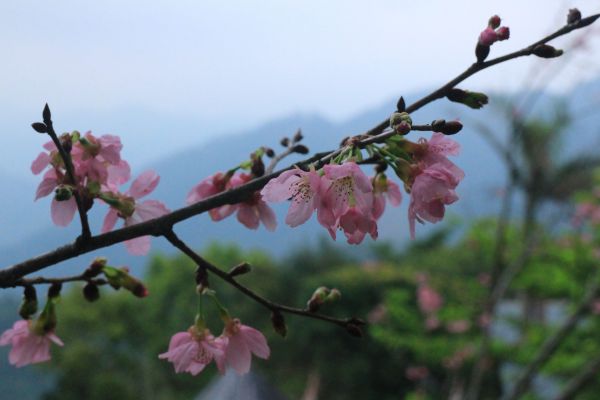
(272,306)
(159,226)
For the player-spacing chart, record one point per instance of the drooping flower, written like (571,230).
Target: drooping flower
(210,186)
(192,351)
(434,179)
(28,345)
(128,207)
(384,188)
(253,210)
(303,188)
(241,342)
(431,191)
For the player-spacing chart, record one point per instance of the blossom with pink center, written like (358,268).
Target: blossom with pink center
(253,210)
(192,351)
(346,186)
(302,188)
(135,212)
(242,342)
(210,186)
(28,346)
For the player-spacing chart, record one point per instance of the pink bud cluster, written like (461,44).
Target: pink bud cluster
(191,351)
(494,32)
(99,171)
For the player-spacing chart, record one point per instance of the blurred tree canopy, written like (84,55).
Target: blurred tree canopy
(112,345)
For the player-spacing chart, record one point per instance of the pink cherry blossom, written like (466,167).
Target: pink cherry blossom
(348,186)
(210,186)
(356,224)
(28,347)
(253,210)
(304,190)
(431,191)
(192,351)
(242,342)
(135,212)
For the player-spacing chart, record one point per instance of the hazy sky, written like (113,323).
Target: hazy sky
(222,65)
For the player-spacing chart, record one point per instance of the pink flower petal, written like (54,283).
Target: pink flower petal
(267,216)
(144,184)
(139,246)
(62,212)
(247,216)
(238,355)
(41,162)
(110,220)
(256,341)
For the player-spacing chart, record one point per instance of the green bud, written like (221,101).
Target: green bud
(279,323)
(29,304)
(474,100)
(63,193)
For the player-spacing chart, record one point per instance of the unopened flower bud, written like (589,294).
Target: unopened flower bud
(487,37)
(503,33)
(438,124)
(401,122)
(494,22)
(118,278)
(354,330)
(474,100)
(451,128)
(54,290)
(91,292)
(240,269)
(269,152)
(278,323)
(63,193)
(401,105)
(29,304)
(258,167)
(298,136)
(285,142)
(547,51)
(317,299)
(39,127)
(300,149)
(95,267)
(574,16)
(334,295)
(380,167)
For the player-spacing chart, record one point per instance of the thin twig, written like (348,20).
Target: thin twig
(272,306)
(66,157)
(43,281)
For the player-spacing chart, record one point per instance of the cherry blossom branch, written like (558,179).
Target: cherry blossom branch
(66,157)
(75,278)
(351,324)
(551,345)
(478,66)
(159,226)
